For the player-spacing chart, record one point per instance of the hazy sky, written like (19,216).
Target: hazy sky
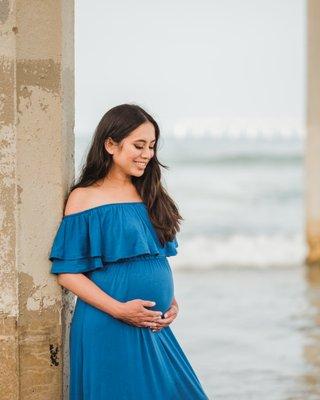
(219,61)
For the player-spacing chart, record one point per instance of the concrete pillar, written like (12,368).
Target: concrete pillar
(312,159)
(36,166)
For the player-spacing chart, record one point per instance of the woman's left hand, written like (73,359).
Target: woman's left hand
(169,316)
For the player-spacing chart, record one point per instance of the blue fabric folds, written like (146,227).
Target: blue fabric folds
(89,239)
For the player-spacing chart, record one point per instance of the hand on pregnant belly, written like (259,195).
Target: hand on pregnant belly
(168,317)
(133,312)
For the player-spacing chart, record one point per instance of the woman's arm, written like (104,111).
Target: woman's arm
(133,312)
(88,291)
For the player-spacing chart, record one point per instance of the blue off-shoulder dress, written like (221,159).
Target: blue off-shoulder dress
(116,246)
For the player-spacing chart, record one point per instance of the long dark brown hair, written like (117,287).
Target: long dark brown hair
(117,123)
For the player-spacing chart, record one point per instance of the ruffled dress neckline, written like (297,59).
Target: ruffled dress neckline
(112,232)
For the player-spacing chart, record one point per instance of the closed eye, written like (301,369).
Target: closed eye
(137,147)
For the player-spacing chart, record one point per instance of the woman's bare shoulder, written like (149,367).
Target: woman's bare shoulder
(78,200)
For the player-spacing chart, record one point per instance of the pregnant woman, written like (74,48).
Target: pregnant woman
(111,250)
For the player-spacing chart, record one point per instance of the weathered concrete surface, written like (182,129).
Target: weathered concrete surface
(36,167)
(312,159)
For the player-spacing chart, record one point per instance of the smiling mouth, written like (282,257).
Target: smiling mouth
(140,164)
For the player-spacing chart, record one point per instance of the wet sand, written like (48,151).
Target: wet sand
(252,333)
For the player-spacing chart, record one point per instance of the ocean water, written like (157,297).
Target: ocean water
(251,334)
(242,199)
(249,317)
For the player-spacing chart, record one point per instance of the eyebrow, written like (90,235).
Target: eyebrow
(144,141)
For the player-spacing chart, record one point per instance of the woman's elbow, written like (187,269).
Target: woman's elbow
(61,279)
(65,278)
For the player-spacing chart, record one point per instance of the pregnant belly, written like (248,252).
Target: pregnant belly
(148,278)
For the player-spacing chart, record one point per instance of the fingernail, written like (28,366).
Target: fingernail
(165,315)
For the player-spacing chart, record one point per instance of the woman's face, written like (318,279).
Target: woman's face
(134,152)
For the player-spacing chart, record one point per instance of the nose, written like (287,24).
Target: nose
(145,154)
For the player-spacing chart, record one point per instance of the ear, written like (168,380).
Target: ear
(109,145)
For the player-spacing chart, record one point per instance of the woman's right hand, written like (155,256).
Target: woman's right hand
(133,312)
